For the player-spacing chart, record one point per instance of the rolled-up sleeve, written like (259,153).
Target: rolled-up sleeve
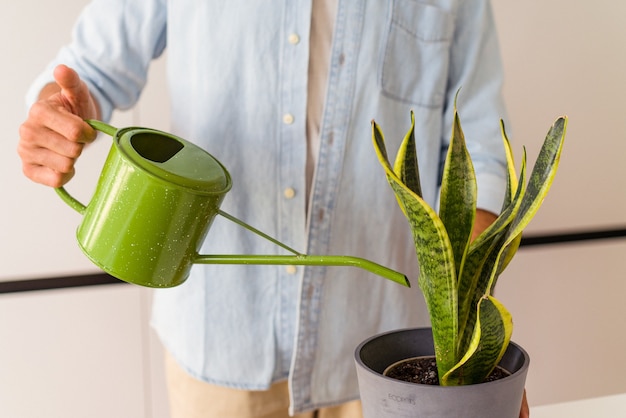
(476,69)
(113,43)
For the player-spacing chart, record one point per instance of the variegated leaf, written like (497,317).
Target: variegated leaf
(458,194)
(437,278)
(490,339)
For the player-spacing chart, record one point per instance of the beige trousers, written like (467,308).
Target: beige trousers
(192,398)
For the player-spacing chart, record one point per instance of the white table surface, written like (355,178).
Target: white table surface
(604,407)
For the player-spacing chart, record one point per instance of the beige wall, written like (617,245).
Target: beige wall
(62,352)
(36,242)
(569,57)
(85,352)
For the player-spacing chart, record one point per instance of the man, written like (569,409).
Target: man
(282,93)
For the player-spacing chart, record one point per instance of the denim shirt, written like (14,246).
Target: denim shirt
(238,87)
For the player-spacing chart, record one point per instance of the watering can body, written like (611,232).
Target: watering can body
(153,206)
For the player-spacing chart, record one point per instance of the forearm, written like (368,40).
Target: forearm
(483,220)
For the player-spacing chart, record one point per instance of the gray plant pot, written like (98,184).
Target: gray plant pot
(386,397)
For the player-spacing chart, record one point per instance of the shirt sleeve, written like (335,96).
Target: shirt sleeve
(476,69)
(113,43)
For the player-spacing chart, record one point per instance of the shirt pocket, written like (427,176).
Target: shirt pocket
(415,61)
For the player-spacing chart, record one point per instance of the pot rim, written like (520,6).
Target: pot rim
(517,374)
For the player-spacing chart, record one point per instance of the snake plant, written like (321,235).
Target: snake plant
(471,328)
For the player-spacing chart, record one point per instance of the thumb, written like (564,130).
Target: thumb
(74,92)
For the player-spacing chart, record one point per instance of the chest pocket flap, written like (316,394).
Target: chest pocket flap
(416,58)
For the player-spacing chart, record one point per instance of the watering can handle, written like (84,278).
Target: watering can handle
(63,194)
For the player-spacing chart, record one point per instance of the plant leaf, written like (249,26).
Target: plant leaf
(458,194)
(381,152)
(509,253)
(542,175)
(437,278)
(490,339)
(512,180)
(539,184)
(483,255)
(474,287)
(406,165)
(523,207)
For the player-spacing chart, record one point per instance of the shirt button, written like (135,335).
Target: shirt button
(289,193)
(291,269)
(293,39)
(287,118)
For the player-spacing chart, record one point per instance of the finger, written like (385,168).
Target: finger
(75,94)
(51,115)
(35,137)
(42,164)
(46,176)
(34,155)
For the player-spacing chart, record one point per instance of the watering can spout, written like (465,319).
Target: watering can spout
(306,260)
(298,259)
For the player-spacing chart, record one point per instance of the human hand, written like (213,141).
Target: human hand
(54,134)
(482,221)
(525,411)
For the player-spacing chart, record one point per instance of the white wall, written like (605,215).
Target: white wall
(561,57)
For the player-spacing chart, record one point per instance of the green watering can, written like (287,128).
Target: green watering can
(154,204)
